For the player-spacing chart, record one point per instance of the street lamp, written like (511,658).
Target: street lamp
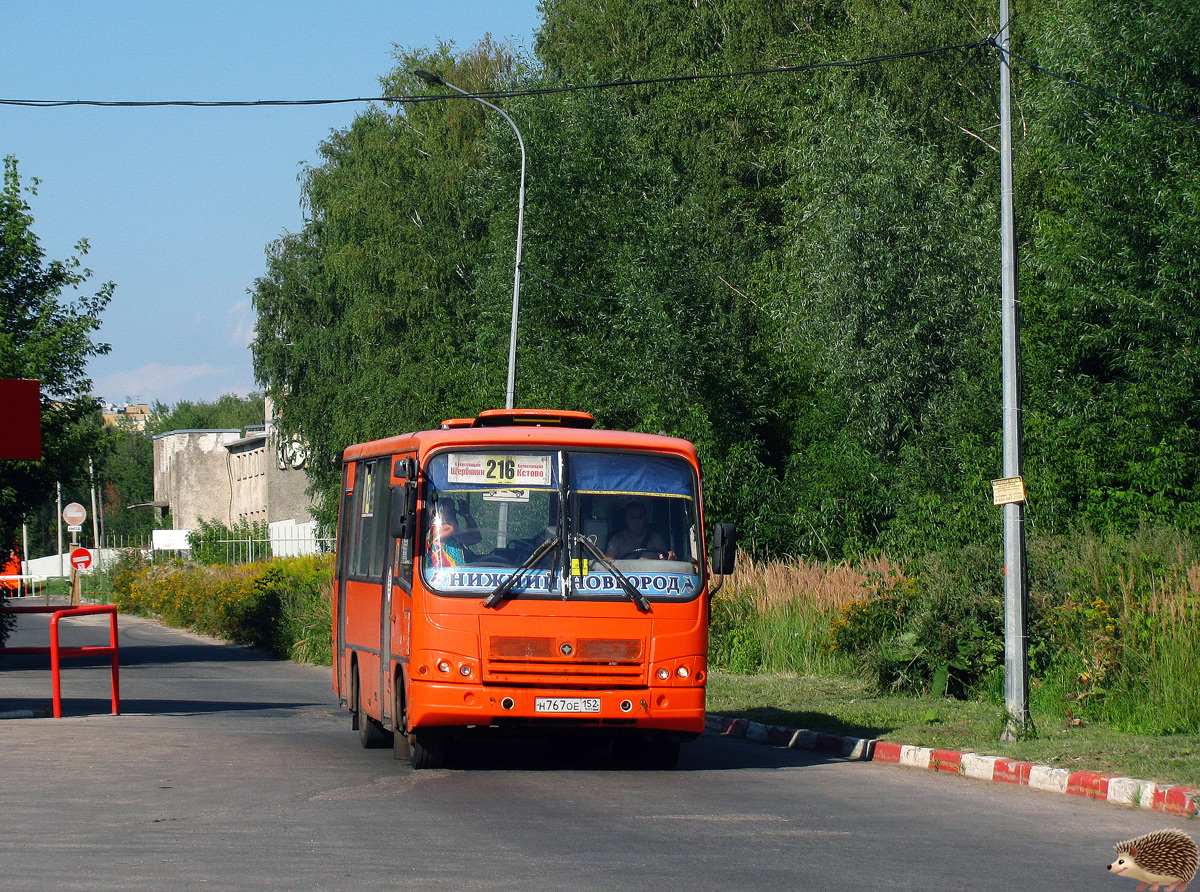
(437,81)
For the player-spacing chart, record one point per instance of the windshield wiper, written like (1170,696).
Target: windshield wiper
(504,589)
(629,588)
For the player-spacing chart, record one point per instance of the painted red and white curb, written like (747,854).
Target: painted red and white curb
(1107,788)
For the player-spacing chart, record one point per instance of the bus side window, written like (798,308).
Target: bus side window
(348,524)
(368,546)
(402,520)
(353,522)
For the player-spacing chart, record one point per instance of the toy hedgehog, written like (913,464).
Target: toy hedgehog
(1164,857)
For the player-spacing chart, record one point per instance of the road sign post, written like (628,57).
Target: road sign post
(74,515)
(81,559)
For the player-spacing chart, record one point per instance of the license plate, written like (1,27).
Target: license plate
(566,704)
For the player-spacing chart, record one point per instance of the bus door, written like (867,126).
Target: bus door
(395,620)
(346,528)
(363,581)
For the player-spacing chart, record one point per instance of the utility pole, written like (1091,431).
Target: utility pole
(61,560)
(437,80)
(1016,585)
(95,514)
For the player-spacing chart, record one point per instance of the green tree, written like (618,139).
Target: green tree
(797,271)
(125,475)
(44,338)
(845,222)
(1112,284)
(369,321)
(227,412)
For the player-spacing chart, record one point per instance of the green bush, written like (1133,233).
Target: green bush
(212,543)
(939,630)
(281,606)
(863,623)
(8,622)
(733,640)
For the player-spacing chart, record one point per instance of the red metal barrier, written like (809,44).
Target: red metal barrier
(58,653)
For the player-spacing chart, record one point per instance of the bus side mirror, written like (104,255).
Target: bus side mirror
(724,549)
(400,518)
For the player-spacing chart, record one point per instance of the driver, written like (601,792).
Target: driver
(637,539)
(448,537)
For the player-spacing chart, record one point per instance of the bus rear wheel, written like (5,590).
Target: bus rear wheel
(371,734)
(428,747)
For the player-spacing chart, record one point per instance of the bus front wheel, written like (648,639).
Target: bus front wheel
(428,747)
(662,752)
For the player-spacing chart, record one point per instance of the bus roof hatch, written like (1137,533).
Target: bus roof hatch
(530,418)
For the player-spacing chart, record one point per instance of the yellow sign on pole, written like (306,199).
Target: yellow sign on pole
(1008,491)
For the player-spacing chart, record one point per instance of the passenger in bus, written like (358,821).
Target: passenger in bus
(449,536)
(638,539)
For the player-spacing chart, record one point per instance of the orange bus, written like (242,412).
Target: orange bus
(523,572)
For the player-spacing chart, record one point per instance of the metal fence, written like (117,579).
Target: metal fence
(249,550)
(226,551)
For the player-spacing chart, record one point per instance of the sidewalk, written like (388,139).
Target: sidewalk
(1120,790)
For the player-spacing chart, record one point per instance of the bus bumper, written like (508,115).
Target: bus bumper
(679,709)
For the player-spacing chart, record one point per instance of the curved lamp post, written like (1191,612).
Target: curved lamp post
(435,80)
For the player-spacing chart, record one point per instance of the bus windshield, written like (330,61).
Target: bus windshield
(565,524)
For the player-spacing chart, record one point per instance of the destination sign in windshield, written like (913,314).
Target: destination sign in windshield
(499,470)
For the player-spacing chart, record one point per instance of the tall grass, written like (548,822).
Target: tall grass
(775,616)
(1114,626)
(1157,689)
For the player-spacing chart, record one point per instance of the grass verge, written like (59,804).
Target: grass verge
(846,706)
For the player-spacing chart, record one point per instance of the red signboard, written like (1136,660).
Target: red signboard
(21,417)
(81,558)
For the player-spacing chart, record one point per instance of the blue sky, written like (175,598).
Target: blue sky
(179,204)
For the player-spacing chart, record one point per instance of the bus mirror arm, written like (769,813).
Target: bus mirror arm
(400,518)
(713,588)
(724,550)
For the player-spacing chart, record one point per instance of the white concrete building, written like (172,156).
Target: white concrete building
(224,476)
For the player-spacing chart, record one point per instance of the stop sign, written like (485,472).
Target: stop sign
(81,558)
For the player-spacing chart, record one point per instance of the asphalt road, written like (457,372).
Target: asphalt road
(231,771)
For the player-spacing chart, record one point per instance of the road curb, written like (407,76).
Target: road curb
(1172,799)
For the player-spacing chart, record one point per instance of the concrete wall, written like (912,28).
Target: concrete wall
(287,482)
(218,474)
(191,473)
(248,463)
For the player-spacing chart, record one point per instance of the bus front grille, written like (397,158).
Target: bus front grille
(576,663)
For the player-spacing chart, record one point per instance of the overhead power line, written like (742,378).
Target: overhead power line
(1107,95)
(605,85)
(187,103)
(490,94)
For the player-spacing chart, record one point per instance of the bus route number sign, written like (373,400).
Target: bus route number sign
(518,471)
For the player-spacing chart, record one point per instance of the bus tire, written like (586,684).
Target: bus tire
(371,734)
(662,752)
(428,748)
(401,749)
